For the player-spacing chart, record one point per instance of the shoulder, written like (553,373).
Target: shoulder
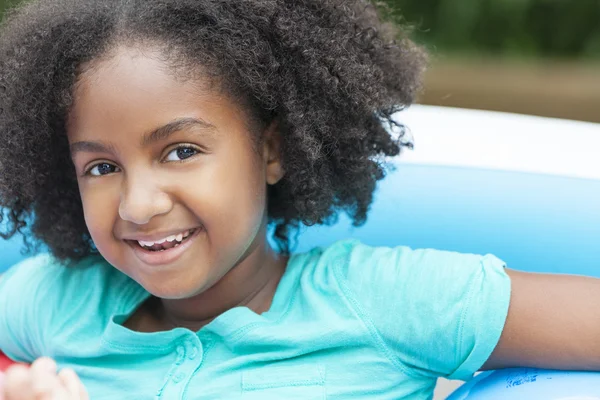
(30,278)
(347,263)
(370,275)
(432,312)
(351,257)
(43,277)
(41,298)
(355,260)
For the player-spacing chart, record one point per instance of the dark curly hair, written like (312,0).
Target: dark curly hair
(331,72)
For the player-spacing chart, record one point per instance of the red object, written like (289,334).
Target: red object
(5,362)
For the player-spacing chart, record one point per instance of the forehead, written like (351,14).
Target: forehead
(135,90)
(128,71)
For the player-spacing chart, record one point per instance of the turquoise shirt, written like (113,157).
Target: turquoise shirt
(347,322)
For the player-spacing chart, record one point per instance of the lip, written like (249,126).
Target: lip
(157,258)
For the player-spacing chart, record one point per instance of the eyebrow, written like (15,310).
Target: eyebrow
(91,147)
(174,126)
(153,136)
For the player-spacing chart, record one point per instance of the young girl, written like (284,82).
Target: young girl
(150,144)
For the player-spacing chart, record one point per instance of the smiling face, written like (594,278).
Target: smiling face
(157,157)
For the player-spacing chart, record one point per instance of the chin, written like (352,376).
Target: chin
(177,289)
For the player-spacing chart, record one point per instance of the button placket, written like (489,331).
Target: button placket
(180,354)
(193,353)
(178,377)
(187,352)
(189,357)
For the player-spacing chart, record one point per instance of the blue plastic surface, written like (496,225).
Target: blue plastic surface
(531,384)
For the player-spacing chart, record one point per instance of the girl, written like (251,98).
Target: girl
(149,144)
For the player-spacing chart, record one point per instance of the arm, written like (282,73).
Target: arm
(553,322)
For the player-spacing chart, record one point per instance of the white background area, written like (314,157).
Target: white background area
(512,142)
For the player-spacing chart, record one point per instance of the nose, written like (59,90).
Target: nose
(142,199)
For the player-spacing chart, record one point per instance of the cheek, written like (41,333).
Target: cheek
(236,197)
(99,207)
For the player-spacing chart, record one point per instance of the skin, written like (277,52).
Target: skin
(553,320)
(42,381)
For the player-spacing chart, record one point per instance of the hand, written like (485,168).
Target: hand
(42,382)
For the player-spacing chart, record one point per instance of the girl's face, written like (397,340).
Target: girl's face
(159,158)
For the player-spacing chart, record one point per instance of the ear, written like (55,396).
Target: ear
(272,154)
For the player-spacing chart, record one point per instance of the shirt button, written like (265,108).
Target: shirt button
(193,353)
(178,377)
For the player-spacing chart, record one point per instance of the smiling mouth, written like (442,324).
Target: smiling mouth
(170,243)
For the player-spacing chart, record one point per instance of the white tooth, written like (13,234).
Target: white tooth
(186,234)
(179,237)
(142,243)
(170,238)
(161,241)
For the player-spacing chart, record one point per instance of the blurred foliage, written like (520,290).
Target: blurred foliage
(4,4)
(531,28)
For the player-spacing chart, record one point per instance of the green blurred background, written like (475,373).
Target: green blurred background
(537,57)
(563,29)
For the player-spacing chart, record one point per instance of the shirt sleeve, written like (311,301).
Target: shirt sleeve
(21,322)
(436,313)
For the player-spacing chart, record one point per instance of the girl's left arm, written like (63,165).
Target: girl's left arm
(553,322)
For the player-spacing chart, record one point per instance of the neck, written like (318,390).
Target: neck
(251,283)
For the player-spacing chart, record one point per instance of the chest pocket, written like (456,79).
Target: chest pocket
(284,382)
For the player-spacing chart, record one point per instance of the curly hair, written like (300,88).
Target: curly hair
(332,72)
